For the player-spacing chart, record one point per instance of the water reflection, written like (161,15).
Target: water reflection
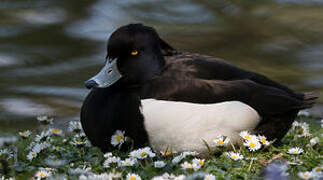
(24,107)
(44,16)
(49,48)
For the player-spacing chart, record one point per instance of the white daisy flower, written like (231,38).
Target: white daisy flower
(305,175)
(31,155)
(199,162)
(45,119)
(132,176)
(209,177)
(178,159)
(301,128)
(118,138)
(317,171)
(220,141)
(25,133)
(128,162)
(142,153)
(159,164)
(314,141)
(75,126)
(41,174)
(108,154)
(56,131)
(196,166)
(78,141)
(234,156)
(81,134)
(183,155)
(252,144)
(295,150)
(31,145)
(304,133)
(186,165)
(111,160)
(39,147)
(6,152)
(43,136)
(247,136)
(263,140)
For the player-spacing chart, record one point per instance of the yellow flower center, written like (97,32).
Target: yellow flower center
(119,138)
(252,145)
(56,131)
(220,142)
(189,166)
(318,169)
(202,163)
(247,137)
(24,132)
(57,148)
(42,174)
(134,52)
(306,175)
(78,142)
(133,178)
(263,140)
(143,154)
(167,153)
(33,154)
(234,156)
(295,152)
(127,164)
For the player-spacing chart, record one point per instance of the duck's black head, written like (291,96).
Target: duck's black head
(134,55)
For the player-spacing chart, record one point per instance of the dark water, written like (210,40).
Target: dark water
(49,48)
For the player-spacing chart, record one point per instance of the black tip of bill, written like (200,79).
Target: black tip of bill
(90,84)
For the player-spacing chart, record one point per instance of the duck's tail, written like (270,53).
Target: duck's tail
(309,98)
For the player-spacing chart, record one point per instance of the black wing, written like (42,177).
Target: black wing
(266,100)
(211,68)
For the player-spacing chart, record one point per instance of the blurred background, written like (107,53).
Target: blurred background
(49,48)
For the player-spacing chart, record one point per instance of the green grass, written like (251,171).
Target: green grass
(69,157)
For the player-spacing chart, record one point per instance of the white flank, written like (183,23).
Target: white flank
(182,126)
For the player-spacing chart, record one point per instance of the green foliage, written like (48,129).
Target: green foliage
(64,157)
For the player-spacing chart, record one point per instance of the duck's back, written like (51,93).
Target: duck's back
(183,125)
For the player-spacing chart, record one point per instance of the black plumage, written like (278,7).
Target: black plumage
(161,72)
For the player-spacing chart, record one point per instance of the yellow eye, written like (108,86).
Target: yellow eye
(134,52)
